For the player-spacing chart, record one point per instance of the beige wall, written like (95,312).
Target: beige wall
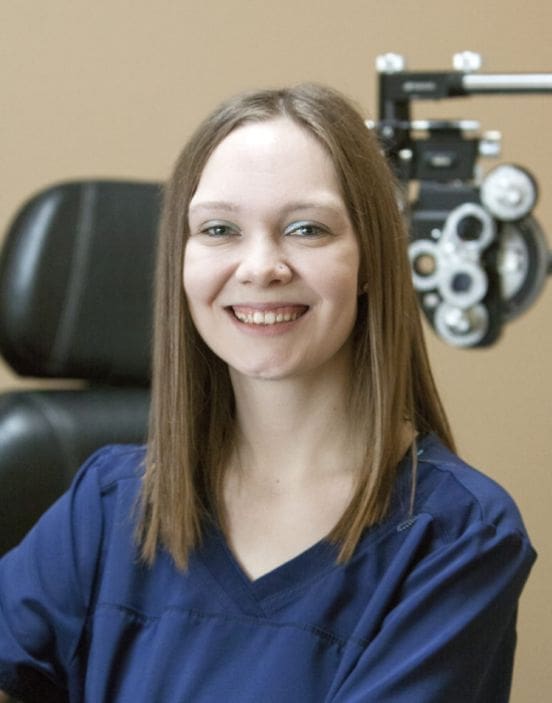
(113,88)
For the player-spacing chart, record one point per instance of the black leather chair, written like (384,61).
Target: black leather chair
(76,274)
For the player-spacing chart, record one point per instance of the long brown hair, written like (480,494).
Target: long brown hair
(192,412)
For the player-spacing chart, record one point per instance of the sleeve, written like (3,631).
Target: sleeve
(45,588)
(450,633)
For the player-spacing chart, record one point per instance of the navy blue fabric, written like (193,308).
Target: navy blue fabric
(424,612)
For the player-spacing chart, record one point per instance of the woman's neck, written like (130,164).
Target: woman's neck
(293,430)
(293,470)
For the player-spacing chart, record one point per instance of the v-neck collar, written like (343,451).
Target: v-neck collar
(253,596)
(257,596)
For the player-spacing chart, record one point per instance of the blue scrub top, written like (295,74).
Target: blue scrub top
(424,612)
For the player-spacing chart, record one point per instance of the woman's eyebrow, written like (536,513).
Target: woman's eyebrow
(214,205)
(322,204)
(329,204)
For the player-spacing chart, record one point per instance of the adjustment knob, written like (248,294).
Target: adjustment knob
(467,61)
(390,63)
(509,192)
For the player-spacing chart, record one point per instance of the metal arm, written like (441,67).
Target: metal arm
(507,83)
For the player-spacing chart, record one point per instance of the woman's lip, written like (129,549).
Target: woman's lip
(268,307)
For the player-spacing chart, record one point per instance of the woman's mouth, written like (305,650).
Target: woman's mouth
(268,315)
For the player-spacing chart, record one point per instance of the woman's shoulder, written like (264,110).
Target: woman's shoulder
(110,469)
(112,466)
(458,495)
(102,494)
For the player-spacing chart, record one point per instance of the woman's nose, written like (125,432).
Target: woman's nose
(263,263)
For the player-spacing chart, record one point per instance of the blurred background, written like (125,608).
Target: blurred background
(114,88)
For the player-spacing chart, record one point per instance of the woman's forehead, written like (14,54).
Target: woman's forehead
(276,155)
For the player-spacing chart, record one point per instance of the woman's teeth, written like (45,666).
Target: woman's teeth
(268,317)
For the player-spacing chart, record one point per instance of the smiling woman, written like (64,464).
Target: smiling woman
(304,532)
(285,266)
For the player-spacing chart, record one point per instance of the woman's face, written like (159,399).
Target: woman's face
(271,264)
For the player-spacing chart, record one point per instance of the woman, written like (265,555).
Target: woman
(302,530)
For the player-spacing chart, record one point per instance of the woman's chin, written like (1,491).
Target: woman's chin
(264,371)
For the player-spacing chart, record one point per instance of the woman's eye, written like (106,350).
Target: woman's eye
(306,229)
(218,230)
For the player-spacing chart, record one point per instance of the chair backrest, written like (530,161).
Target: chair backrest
(76,275)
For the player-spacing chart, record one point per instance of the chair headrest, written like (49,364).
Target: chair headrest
(76,278)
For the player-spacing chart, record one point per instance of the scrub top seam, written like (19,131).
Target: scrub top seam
(446,467)
(194,613)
